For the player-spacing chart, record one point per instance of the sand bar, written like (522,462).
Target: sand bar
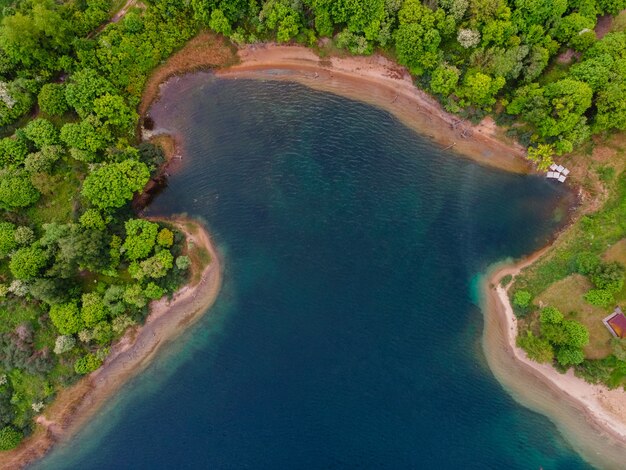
(591,417)
(74,406)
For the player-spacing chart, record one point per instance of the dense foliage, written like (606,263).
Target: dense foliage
(77,269)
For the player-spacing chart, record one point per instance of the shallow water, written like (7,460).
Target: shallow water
(346,333)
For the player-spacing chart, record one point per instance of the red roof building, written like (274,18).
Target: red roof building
(616,323)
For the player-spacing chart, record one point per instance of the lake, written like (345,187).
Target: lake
(347,333)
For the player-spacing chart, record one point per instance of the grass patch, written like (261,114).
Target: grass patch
(58,196)
(595,233)
(567,296)
(14,313)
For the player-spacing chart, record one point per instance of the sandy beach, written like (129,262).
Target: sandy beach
(592,417)
(382,83)
(130,355)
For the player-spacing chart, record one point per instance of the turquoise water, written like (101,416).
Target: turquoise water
(346,335)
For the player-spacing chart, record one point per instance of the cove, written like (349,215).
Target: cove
(346,333)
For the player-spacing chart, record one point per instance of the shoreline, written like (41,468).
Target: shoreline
(374,80)
(573,405)
(570,403)
(131,354)
(384,84)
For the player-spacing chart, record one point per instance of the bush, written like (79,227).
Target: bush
(569,356)
(599,297)
(521,301)
(506,280)
(587,262)
(24,235)
(551,315)
(10,438)
(537,349)
(87,364)
(64,344)
(153,292)
(183,262)
(44,160)
(609,276)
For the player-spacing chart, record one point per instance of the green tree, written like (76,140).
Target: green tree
(113,185)
(66,318)
(219,23)
(134,296)
(611,108)
(140,239)
(360,16)
(417,38)
(7,238)
(578,335)
(34,37)
(13,150)
(93,309)
(26,262)
(41,132)
(153,292)
(279,15)
(16,99)
(158,265)
(165,238)
(480,89)
(84,87)
(541,155)
(113,110)
(88,135)
(444,79)
(92,219)
(103,333)
(16,189)
(52,100)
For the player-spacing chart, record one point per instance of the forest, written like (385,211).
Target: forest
(78,266)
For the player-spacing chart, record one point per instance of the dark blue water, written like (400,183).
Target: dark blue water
(345,335)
